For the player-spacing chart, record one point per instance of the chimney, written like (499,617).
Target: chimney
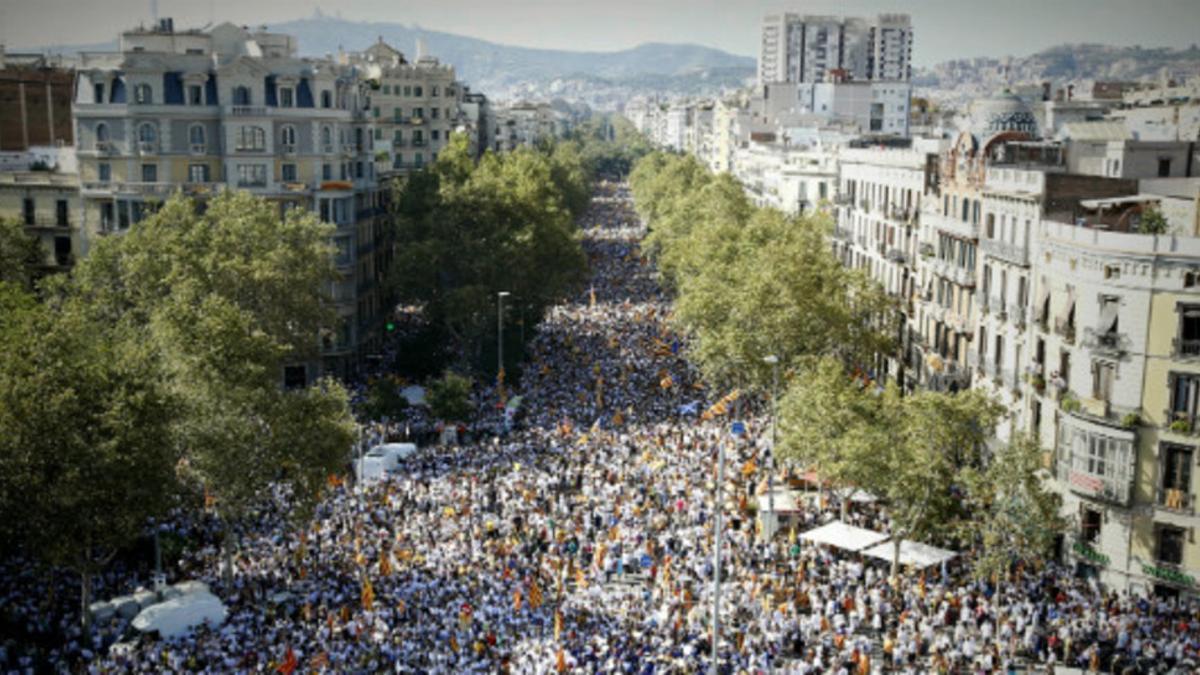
(1070,91)
(1046,91)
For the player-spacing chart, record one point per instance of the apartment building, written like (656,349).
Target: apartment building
(805,48)
(35,102)
(415,106)
(47,204)
(526,123)
(793,179)
(229,108)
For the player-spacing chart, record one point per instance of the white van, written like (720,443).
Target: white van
(383,459)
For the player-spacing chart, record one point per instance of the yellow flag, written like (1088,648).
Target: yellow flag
(385,564)
(558,624)
(368,595)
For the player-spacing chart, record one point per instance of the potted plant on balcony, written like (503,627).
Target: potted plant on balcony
(1069,403)
(1131,420)
(1181,426)
(1037,381)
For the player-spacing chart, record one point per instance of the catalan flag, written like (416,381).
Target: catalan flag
(535,595)
(368,595)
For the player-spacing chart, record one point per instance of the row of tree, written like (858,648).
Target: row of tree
(751,283)
(471,230)
(153,374)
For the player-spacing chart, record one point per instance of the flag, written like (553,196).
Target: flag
(454,644)
(749,468)
(517,600)
(289,663)
(368,595)
(333,480)
(319,661)
(558,624)
(385,564)
(535,595)
(592,297)
(667,382)
(464,619)
(580,578)
(561,665)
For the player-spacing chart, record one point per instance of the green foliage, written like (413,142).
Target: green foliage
(1153,222)
(751,281)
(19,254)
(471,231)
(611,145)
(385,400)
(1013,516)
(229,298)
(449,397)
(86,448)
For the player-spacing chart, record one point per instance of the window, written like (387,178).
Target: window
(326,99)
(1188,342)
(435,112)
(106,216)
(387,91)
(1170,545)
(1106,332)
(1164,167)
(408,91)
(29,211)
(196,138)
(419,113)
(198,173)
(287,137)
(1089,524)
(1176,476)
(433,135)
(60,213)
(1185,390)
(252,175)
(149,173)
(326,172)
(102,133)
(143,94)
(195,94)
(252,139)
(98,93)
(287,97)
(147,133)
(375,112)
(104,170)
(327,139)
(1096,454)
(419,159)
(1103,374)
(288,172)
(1189,279)
(417,91)
(1112,272)
(433,90)
(241,95)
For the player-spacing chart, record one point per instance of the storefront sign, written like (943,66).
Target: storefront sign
(1167,574)
(1092,555)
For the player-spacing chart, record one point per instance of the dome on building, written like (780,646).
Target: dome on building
(1004,112)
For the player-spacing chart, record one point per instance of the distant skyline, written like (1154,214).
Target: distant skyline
(944,29)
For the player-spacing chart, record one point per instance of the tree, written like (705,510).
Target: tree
(385,400)
(1013,516)
(935,438)
(87,453)
(471,231)
(229,298)
(1153,222)
(836,424)
(19,254)
(449,397)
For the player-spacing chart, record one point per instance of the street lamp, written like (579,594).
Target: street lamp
(772,361)
(500,334)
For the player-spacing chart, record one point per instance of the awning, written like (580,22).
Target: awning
(912,553)
(843,536)
(1067,308)
(1043,307)
(413,394)
(1108,317)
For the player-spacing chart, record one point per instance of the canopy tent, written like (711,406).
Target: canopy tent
(912,553)
(180,615)
(413,394)
(513,404)
(841,535)
(862,497)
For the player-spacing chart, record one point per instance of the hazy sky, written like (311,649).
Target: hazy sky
(944,29)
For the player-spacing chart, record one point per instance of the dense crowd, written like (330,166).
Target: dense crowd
(583,543)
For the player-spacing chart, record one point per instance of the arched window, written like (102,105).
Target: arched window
(251,138)
(102,133)
(241,95)
(143,94)
(147,133)
(287,135)
(326,136)
(358,137)
(196,137)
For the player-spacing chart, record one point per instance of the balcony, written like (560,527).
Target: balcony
(997,305)
(952,226)
(105,148)
(1016,314)
(843,200)
(1175,499)
(399,143)
(1107,342)
(1013,253)
(897,256)
(44,223)
(288,149)
(146,189)
(246,111)
(1183,347)
(147,148)
(418,142)
(843,233)
(1066,330)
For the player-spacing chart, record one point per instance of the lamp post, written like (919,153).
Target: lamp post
(773,361)
(500,335)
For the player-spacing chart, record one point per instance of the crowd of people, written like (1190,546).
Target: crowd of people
(583,542)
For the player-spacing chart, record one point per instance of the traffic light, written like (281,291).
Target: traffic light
(391,327)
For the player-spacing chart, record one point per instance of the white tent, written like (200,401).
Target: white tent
(413,394)
(179,615)
(912,553)
(844,536)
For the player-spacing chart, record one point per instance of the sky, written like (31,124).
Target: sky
(944,29)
